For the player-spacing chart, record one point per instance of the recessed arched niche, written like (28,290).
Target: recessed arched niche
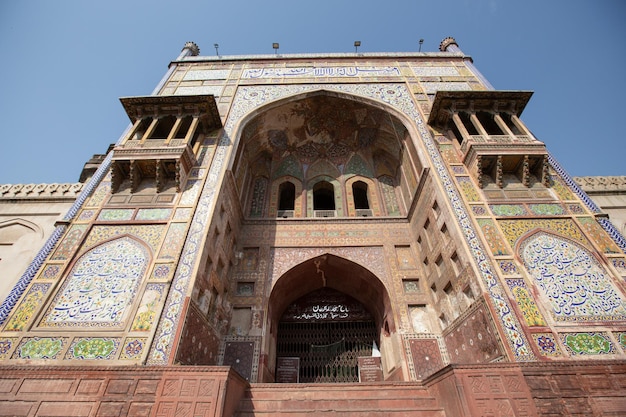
(320,139)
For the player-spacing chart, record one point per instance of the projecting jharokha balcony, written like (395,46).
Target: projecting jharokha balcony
(162,144)
(492,140)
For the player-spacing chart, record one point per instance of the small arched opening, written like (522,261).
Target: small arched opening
(323,196)
(286,196)
(359,193)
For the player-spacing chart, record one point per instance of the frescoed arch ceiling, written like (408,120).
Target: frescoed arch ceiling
(323,127)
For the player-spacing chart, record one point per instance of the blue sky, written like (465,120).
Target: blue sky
(66,63)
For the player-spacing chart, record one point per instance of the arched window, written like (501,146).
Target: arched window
(286,196)
(323,196)
(359,192)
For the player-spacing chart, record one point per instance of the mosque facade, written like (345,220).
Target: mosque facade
(370,234)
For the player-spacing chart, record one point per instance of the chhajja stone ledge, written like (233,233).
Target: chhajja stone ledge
(64,190)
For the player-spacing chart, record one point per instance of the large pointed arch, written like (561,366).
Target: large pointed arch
(337,273)
(332,275)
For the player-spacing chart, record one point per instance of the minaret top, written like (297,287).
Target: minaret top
(193,48)
(447,43)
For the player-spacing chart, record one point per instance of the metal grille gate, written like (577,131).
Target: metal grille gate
(328,350)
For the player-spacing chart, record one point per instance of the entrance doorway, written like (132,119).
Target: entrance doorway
(327,331)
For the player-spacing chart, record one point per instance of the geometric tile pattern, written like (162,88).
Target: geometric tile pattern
(426,356)
(570,277)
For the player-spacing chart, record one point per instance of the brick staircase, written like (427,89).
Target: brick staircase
(393,399)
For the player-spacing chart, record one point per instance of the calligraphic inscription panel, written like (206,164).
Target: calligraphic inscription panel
(326,304)
(576,285)
(101,287)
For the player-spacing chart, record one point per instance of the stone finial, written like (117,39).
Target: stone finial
(193,48)
(447,42)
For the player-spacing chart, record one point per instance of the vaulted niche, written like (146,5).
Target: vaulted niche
(325,155)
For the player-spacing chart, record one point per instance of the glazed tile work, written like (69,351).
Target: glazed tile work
(525,302)
(594,343)
(249,98)
(577,286)
(118,278)
(101,286)
(547,344)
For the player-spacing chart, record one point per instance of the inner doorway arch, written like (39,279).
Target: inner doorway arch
(327,283)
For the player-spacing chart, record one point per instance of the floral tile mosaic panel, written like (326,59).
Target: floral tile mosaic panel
(494,239)
(28,307)
(173,241)
(69,242)
(592,343)
(508,210)
(508,267)
(514,229)
(149,307)
(526,302)
(162,272)
(98,348)
(547,209)
(149,234)
(51,271)
(40,347)
(116,215)
(599,236)
(153,214)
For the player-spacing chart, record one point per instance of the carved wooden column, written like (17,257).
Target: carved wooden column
(135,176)
(526,171)
(499,172)
(479,170)
(545,171)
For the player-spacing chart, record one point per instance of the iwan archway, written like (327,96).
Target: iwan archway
(327,312)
